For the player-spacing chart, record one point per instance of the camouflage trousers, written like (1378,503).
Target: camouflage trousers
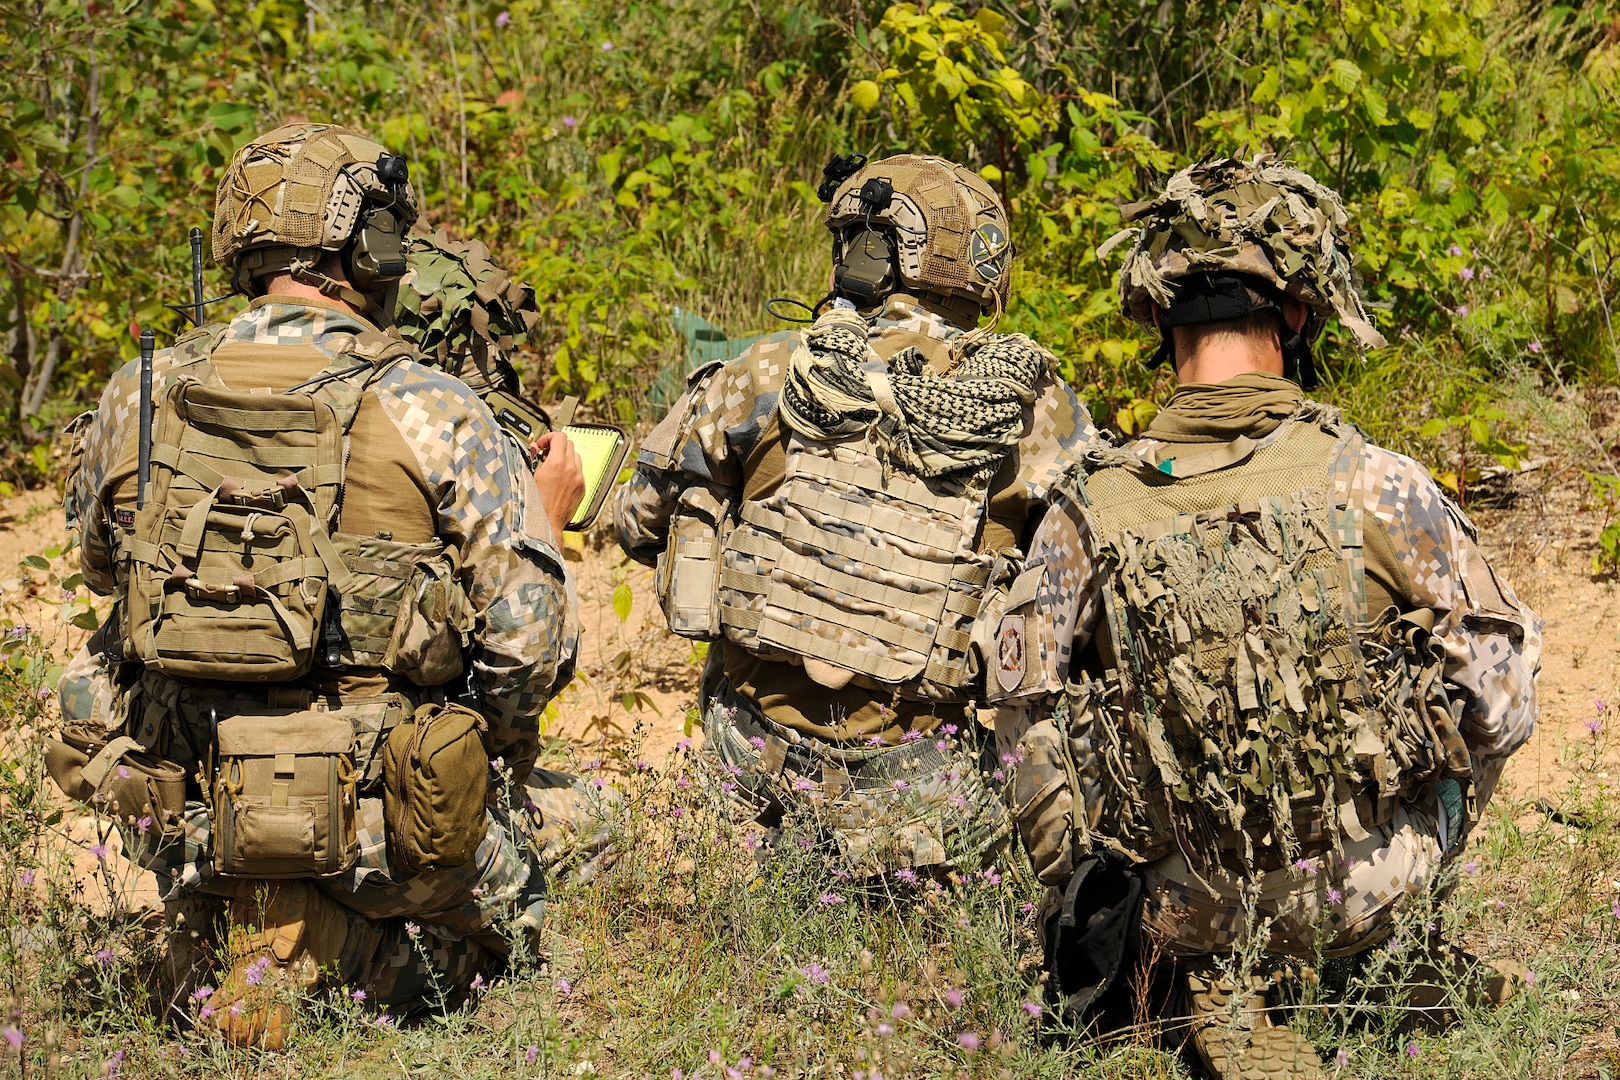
(1334,905)
(413,939)
(931,802)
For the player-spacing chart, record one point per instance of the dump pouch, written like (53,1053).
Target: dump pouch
(284,796)
(436,772)
(688,573)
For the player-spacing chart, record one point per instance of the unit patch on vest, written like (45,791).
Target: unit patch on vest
(1010,652)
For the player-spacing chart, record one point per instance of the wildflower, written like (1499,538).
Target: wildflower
(570,121)
(1342,1058)
(1471,866)
(1466,273)
(907,875)
(1535,346)
(478,982)
(202,993)
(1412,1048)
(990,876)
(757,743)
(911,736)
(531,1053)
(114,1064)
(968,1040)
(144,824)
(607,46)
(600,783)
(1500,905)
(1305,866)
(728,787)
(953,998)
(359,996)
(802,784)
(1033,1009)
(1462,311)
(1616,909)
(256,970)
(1334,896)
(1601,706)
(13,1037)
(684,744)
(1530,978)
(502,19)
(683,782)
(1454,251)
(875,740)
(949,729)
(564,987)
(940,745)
(1027,908)
(999,776)
(641,766)
(1594,725)
(412,930)
(830,898)
(25,878)
(99,851)
(901,1010)
(899,785)
(885,1030)
(1484,271)
(384,1021)
(104,957)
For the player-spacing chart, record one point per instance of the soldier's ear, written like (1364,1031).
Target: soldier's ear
(1294,311)
(1155,308)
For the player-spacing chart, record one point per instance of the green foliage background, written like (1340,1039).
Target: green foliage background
(627,158)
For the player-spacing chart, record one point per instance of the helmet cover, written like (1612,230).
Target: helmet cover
(1263,220)
(950,231)
(304,187)
(456,304)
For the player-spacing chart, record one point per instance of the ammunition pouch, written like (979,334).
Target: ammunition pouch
(406,610)
(437,782)
(122,780)
(285,796)
(688,575)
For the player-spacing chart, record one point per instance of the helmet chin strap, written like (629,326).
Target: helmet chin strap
(1298,363)
(368,305)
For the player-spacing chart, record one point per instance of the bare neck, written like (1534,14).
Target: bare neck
(1216,360)
(287,285)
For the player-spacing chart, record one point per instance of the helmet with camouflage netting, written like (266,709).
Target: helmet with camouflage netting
(463,311)
(921,224)
(294,194)
(1226,238)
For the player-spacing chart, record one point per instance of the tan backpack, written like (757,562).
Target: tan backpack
(231,560)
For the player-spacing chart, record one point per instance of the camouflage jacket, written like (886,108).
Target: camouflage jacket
(485,505)
(1492,641)
(714,437)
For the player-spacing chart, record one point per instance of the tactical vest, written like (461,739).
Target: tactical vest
(233,570)
(1248,709)
(861,577)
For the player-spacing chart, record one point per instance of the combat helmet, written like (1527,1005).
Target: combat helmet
(300,191)
(922,224)
(463,311)
(1226,238)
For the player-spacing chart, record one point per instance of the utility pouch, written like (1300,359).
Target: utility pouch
(433,626)
(121,780)
(688,574)
(284,796)
(436,776)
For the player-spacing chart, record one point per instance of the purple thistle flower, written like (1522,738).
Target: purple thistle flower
(1033,1009)
(143,824)
(1471,866)
(1334,896)
(571,121)
(478,982)
(901,1010)
(1454,251)
(503,18)
(1412,1049)
(202,993)
(13,1037)
(899,785)
(1534,346)
(256,970)
(1594,725)
(26,877)
(907,875)
(757,743)
(815,974)
(99,851)
(1466,273)
(104,957)
(359,996)
(531,1053)
(949,729)
(953,998)
(968,1040)
(564,987)
(1342,1058)
(830,899)
(412,930)
(802,784)
(1305,866)
(911,736)
(383,1020)
(1462,311)
(607,46)
(1616,909)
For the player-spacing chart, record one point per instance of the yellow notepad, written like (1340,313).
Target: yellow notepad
(601,451)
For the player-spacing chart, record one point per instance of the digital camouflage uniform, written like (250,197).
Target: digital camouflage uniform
(906,775)
(478,495)
(1262,677)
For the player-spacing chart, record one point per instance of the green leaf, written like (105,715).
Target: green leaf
(864,95)
(1433,428)
(1345,75)
(38,562)
(622,599)
(85,620)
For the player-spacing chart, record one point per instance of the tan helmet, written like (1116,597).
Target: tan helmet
(947,230)
(1227,234)
(305,189)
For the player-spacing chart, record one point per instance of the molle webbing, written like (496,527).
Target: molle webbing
(846,568)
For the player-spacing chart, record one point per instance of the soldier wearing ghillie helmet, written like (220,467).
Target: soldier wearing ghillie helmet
(1261,667)
(829,508)
(334,541)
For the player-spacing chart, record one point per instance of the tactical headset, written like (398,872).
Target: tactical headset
(863,256)
(376,255)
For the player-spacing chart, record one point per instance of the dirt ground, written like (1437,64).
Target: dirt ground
(636,683)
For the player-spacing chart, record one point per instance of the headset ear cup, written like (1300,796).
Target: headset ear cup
(1298,364)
